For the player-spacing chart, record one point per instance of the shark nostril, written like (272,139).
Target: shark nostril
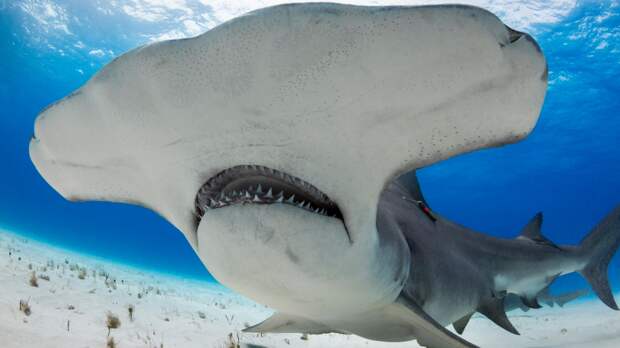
(513,35)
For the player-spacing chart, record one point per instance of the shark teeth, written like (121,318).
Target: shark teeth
(264,195)
(257,185)
(259,196)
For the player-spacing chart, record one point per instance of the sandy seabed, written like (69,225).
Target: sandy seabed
(75,294)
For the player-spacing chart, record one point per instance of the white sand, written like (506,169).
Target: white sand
(67,311)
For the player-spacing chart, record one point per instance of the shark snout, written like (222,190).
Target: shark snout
(69,148)
(42,150)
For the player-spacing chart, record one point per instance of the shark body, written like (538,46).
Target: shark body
(456,272)
(283,144)
(464,271)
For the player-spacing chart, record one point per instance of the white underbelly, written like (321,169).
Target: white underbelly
(297,262)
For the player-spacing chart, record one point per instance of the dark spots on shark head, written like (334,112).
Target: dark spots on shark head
(265,234)
(160,62)
(291,255)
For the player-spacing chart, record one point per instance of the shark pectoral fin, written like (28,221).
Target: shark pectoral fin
(544,295)
(459,325)
(531,302)
(532,231)
(494,310)
(429,333)
(284,323)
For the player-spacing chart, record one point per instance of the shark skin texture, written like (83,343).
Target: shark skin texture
(283,144)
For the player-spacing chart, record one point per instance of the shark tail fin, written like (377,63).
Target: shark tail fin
(599,247)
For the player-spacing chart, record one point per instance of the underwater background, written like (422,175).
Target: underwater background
(568,168)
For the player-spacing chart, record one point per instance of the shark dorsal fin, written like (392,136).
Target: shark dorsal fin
(533,228)
(494,310)
(459,325)
(532,231)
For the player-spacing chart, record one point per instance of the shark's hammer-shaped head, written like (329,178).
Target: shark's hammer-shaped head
(268,140)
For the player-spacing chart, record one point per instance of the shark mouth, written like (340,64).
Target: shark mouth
(253,184)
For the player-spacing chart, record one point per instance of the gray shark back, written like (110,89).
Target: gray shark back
(490,275)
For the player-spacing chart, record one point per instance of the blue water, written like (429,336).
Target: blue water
(568,168)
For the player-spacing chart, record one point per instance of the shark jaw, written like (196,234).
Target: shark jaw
(298,261)
(243,211)
(253,184)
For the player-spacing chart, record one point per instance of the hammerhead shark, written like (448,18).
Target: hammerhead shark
(284,145)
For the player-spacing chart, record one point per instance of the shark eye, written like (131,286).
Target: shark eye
(252,184)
